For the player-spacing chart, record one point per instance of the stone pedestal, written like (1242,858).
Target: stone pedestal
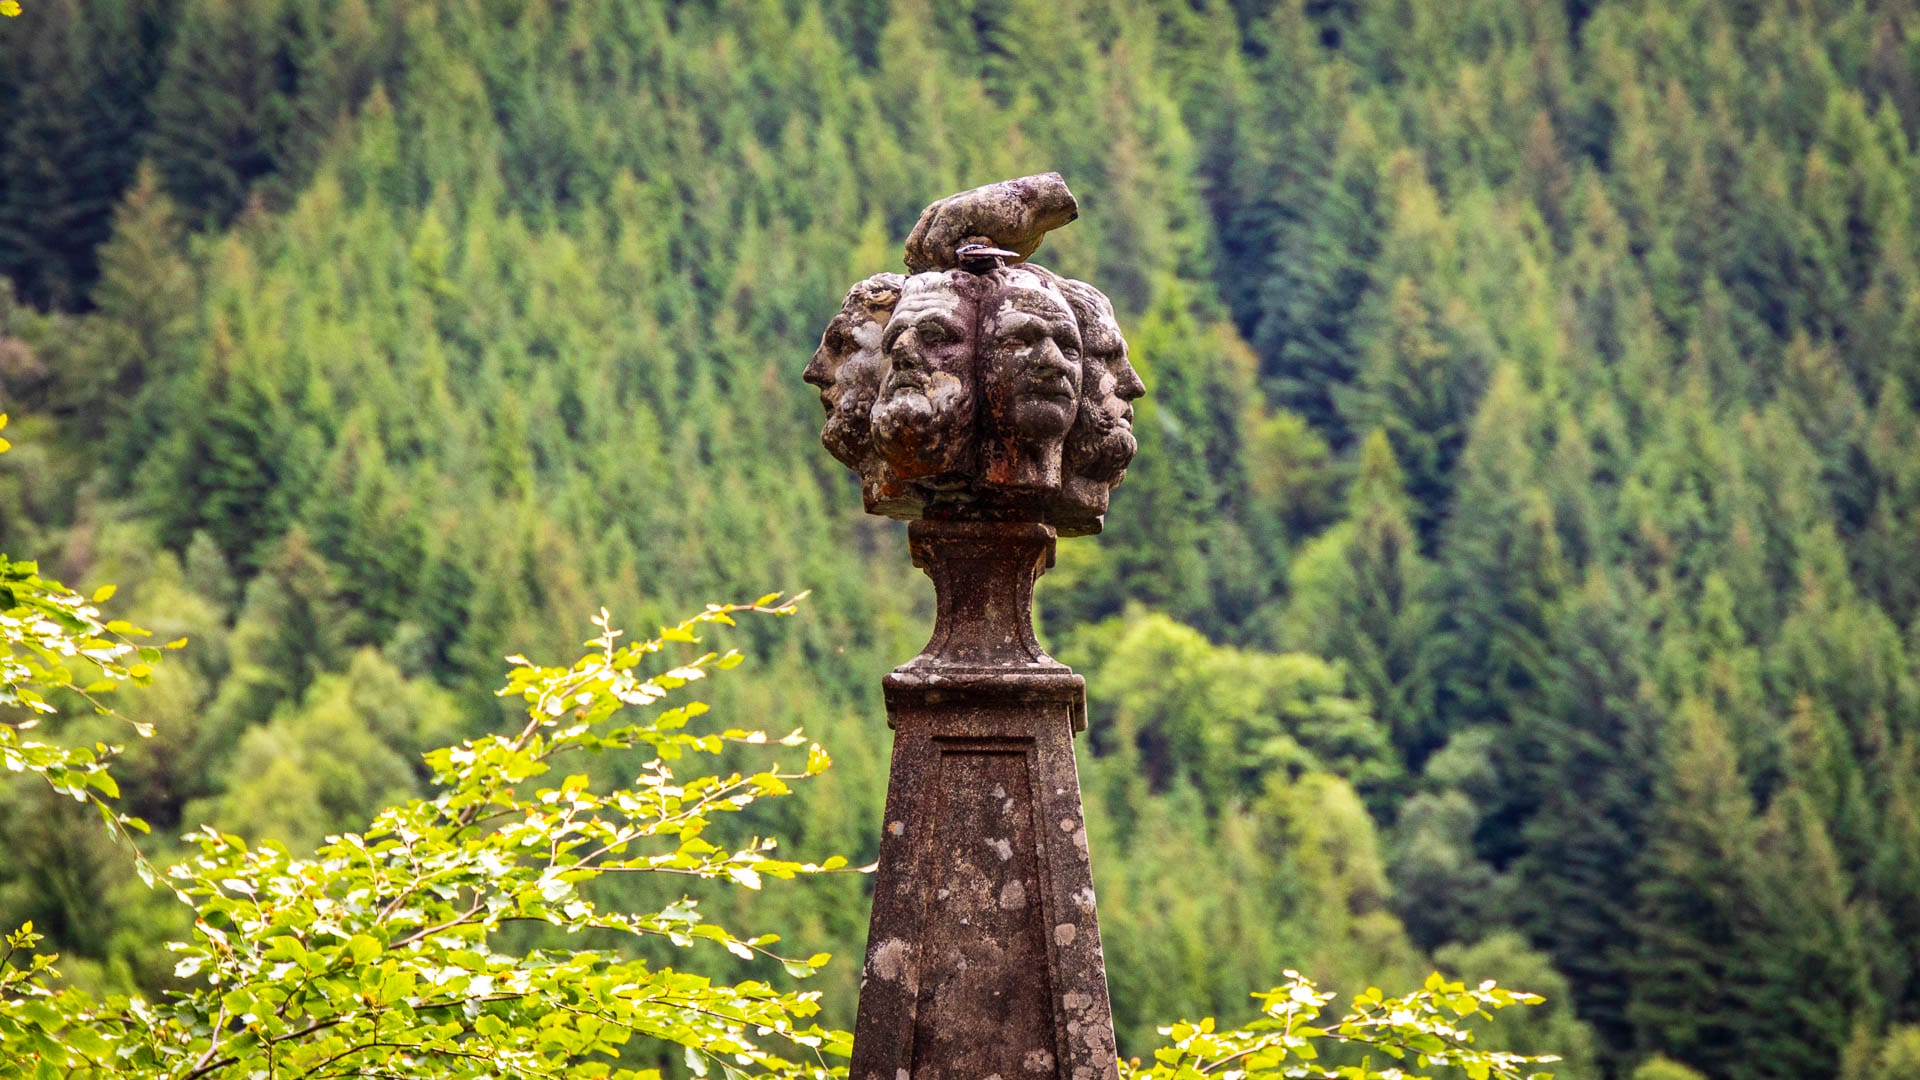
(988,401)
(983,958)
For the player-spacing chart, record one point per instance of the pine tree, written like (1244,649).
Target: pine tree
(1893,876)
(370,530)
(71,138)
(118,381)
(1883,553)
(1290,175)
(215,108)
(1815,950)
(1359,595)
(1500,570)
(1587,748)
(237,467)
(1698,968)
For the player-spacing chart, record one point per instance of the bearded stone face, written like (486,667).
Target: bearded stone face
(923,419)
(1101,444)
(1031,374)
(849,365)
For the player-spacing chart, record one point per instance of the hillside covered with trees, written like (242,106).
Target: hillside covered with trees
(1520,572)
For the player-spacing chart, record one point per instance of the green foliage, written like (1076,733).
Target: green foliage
(55,641)
(1425,1029)
(1220,718)
(386,948)
(1551,1026)
(1360,592)
(70,136)
(1663,1068)
(1896,1056)
(385,945)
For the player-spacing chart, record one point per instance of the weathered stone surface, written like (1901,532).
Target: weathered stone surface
(848,367)
(924,419)
(1101,442)
(983,956)
(981,387)
(1012,214)
(988,401)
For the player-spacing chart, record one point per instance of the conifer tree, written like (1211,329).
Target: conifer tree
(70,138)
(118,379)
(1698,967)
(1500,570)
(1587,745)
(1359,595)
(364,525)
(215,109)
(1815,949)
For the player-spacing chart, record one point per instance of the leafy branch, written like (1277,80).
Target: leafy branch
(379,952)
(1425,1029)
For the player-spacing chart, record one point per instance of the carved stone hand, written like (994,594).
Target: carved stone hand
(1012,214)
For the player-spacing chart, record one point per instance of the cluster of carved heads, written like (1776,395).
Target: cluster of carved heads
(981,385)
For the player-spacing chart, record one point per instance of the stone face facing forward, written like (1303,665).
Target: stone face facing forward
(988,401)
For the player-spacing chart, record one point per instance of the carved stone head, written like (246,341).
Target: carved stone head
(1101,444)
(924,418)
(849,365)
(1031,373)
(981,386)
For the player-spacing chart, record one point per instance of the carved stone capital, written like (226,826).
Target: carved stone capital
(981,387)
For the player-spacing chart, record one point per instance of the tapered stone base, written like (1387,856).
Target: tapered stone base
(983,958)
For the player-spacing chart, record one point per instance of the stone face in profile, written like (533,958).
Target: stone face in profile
(981,387)
(1101,443)
(848,367)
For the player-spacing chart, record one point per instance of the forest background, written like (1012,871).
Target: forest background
(1520,572)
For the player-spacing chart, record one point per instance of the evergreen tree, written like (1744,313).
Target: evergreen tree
(118,378)
(1500,571)
(1427,357)
(215,108)
(1359,595)
(237,464)
(71,136)
(1814,952)
(362,524)
(1587,745)
(1697,969)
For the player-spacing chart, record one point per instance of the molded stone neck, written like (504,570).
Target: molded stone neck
(983,577)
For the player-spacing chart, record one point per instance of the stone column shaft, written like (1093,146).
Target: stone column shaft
(983,957)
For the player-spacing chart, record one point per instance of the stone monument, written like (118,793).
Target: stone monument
(987,401)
